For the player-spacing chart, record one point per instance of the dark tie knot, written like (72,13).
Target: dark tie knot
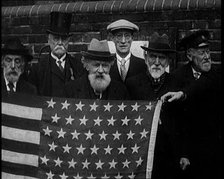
(11,86)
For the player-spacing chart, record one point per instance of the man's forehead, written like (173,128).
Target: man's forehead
(13,56)
(98,62)
(157,53)
(123,31)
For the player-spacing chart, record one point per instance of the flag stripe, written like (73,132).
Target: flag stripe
(21,147)
(18,170)
(20,135)
(11,176)
(14,157)
(21,111)
(20,123)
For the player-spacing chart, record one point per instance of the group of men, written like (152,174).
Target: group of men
(189,134)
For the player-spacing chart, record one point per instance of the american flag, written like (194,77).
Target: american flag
(65,138)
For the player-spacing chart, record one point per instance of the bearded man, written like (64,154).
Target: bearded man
(97,83)
(14,61)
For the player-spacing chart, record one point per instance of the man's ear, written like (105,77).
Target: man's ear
(188,54)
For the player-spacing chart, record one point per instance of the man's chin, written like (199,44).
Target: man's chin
(12,78)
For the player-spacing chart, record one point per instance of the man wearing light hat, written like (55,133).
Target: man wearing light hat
(97,84)
(126,64)
(52,72)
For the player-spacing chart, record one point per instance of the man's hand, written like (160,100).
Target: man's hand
(184,162)
(172,96)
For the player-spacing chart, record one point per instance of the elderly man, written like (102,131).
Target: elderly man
(14,61)
(201,83)
(97,84)
(50,74)
(151,85)
(126,64)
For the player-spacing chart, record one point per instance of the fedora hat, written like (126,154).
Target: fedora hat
(195,39)
(13,46)
(60,23)
(98,50)
(159,44)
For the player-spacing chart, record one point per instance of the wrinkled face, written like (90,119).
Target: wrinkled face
(156,63)
(58,44)
(123,40)
(13,67)
(99,74)
(201,59)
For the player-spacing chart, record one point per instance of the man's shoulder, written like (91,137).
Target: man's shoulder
(137,78)
(140,60)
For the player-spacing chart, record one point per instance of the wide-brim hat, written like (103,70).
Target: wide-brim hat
(122,24)
(60,23)
(98,50)
(13,46)
(195,39)
(159,44)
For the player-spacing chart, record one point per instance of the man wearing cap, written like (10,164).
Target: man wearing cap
(52,72)
(151,85)
(97,84)
(201,152)
(126,64)
(14,62)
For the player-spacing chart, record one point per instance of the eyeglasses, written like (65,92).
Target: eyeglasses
(127,36)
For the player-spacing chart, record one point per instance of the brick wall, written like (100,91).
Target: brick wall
(90,19)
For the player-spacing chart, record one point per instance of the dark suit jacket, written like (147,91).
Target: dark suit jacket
(81,88)
(48,78)
(137,65)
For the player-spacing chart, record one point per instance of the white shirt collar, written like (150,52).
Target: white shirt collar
(61,59)
(7,82)
(126,58)
(194,71)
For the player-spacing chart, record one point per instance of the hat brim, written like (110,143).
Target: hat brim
(59,33)
(159,50)
(28,57)
(99,56)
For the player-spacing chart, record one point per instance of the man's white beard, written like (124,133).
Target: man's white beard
(156,74)
(99,83)
(12,76)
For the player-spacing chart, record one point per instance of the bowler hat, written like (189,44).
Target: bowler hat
(195,39)
(159,44)
(13,46)
(98,50)
(60,23)
(122,24)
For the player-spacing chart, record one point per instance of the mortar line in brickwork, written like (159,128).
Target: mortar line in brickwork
(31,10)
(18,10)
(145,5)
(59,7)
(74,7)
(81,7)
(112,6)
(38,9)
(179,3)
(67,7)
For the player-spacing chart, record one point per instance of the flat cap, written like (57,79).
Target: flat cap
(122,24)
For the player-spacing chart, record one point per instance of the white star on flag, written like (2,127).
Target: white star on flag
(99,164)
(69,120)
(112,164)
(126,163)
(130,134)
(135,149)
(85,164)
(52,146)
(79,106)
(91,177)
(105,177)
(66,148)
(135,107)
(125,121)
(72,163)
(121,107)
(119,176)
(94,149)
(138,120)
(144,133)
(58,162)
(139,161)
(93,106)
(63,176)
(55,118)
(149,106)
(116,135)
(80,149)
(83,120)
(65,105)
(107,107)
(51,103)
(77,176)
(47,131)
(75,134)
(97,121)
(122,149)
(61,133)
(89,135)
(49,175)
(103,135)
(132,176)
(44,159)
(111,121)
(108,149)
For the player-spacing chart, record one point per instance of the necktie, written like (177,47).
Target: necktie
(60,66)
(11,86)
(197,75)
(123,69)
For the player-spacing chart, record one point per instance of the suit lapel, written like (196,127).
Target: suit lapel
(114,72)
(55,69)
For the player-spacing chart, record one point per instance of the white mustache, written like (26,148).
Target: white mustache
(59,47)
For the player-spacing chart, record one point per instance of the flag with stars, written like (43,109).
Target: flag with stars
(65,138)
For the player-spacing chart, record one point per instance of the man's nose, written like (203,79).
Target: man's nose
(157,62)
(100,69)
(13,64)
(123,39)
(207,55)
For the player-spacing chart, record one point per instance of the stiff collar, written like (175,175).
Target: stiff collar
(7,82)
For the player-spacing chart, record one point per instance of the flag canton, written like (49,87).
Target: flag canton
(94,139)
